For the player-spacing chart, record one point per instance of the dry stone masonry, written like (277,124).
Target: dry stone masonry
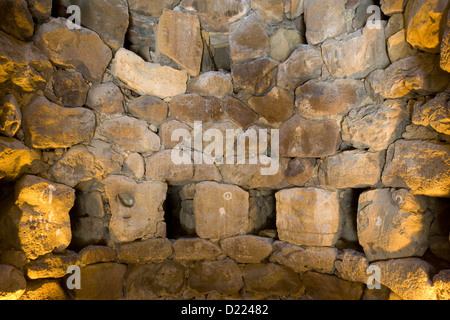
(125,171)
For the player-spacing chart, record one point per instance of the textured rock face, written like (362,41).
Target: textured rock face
(275,107)
(15,158)
(211,83)
(12,283)
(17,20)
(148,78)
(220,210)
(435,113)
(424,167)
(247,249)
(10,116)
(172,40)
(133,215)
(55,40)
(393,224)
(105,98)
(254,76)
(39,207)
(308,216)
(445,47)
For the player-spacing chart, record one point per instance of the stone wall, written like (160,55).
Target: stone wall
(354,95)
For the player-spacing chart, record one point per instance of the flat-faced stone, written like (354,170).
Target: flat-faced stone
(247,248)
(147,251)
(255,76)
(275,107)
(105,98)
(238,112)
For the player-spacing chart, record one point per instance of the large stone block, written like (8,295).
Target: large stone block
(105,98)
(247,248)
(423,167)
(254,76)
(435,113)
(37,220)
(275,107)
(134,215)
(56,40)
(197,249)
(58,127)
(143,252)
(179,38)
(212,83)
(17,20)
(445,46)
(148,78)
(220,210)
(309,216)
(309,138)
(327,287)
(15,158)
(12,283)
(153,9)
(160,166)
(393,224)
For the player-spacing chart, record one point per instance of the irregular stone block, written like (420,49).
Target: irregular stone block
(138,219)
(150,109)
(161,167)
(40,9)
(223,277)
(105,98)
(308,138)
(51,265)
(441,283)
(445,47)
(390,7)
(148,78)
(327,287)
(435,113)
(152,9)
(58,127)
(15,158)
(171,39)
(309,216)
(352,266)
(409,278)
(271,11)
(255,76)
(275,107)
(393,224)
(238,112)
(96,254)
(300,170)
(70,87)
(189,108)
(142,252)
(375,126)
(220,210)
(357,55)
(56,40)
(111,25)
(47,289)
(12,283)
(17,20)
(37,220)
(316,99)
(331,11)
(283,43)
(247,248)
(304,64)
(397,46)
(423,167)
(10,116)
(213,83)
(351,169)
(195,250)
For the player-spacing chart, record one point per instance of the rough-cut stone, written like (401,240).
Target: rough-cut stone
(238,112)
(218,276)
(409,278)
(435,113)
(103,281)
(331,11)
(397,46)
(58,127)
(423,22)
(247,248)
(46,289)
(390,7)
(293,8)
(265,280)
(195,250)
(441,283)
(111,25)
(271,10)
(352,266)
(142,252)
(105,98)
(161,167)
(304,64)
(130,133)
(22,66)
(351,169)
(148,78)
(327,287)
(189,108)
(375,126)
(51,265)
(357,55)
(96,254)
(71,88)
(17,20)
(275,107)
(282,43)
(15,158)
(140,219)
(308,138)
(56,40)
(445,47)
(308,216)
(301,259)
(212,83)
(155,280)
(40,9)
(299,171)
(316,99)
(419,74)
(423,167)
(180,39)
(255,76)
(149,108)
(152,9)
(37,220)
(220,210)
(166,130)
(216,15)
(134,165)
(393,224)
(242,45)
(12,283)
(395,24)
(10,116)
